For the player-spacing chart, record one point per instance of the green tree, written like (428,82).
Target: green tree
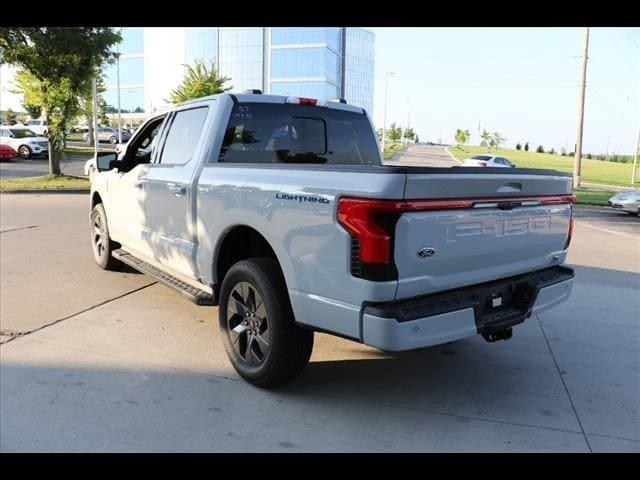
(552,151)
(540,149)
(200,80)
(496,140)
(460,137)
(518,146)
(588,156)
(86,106)
(10,116)
(486,139)
(409,134)
(394,132)
(526,147)
(63,60)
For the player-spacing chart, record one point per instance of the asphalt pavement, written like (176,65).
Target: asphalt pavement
(112,361)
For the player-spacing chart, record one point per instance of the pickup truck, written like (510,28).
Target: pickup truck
(280,211)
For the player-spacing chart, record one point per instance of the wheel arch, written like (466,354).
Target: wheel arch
(237,243)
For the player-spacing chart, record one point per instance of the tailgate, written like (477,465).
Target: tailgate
(507,225)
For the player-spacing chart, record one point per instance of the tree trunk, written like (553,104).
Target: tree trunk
(54,161)
(91,133)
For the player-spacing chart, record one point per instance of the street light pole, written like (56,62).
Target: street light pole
(384,120)
(583,82)
(635,160)
(118,80)
(95,114)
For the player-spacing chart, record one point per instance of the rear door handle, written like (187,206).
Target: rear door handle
(177,188)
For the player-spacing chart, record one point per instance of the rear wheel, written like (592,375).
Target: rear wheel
(101,243)
(260,337)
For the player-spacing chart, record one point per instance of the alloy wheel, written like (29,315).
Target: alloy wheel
(248,324)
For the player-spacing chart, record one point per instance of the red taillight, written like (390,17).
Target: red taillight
(360,218)
(302,101)
(566,245)
(482,164)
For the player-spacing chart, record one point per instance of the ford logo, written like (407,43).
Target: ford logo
(426,252)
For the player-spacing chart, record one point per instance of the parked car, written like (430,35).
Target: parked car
(486,161)
(7,152)
(280,211)
(82,127)
(109,134)
(39,126)
(627,201)
(24,141)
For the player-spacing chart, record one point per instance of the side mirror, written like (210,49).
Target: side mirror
(107,161)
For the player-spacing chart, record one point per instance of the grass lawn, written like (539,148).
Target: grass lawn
(596,171)
(593,196)
(45,182)
(75,150)
(391,149)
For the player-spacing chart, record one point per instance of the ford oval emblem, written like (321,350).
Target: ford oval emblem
(426,252)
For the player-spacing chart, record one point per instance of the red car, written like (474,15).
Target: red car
(7,152)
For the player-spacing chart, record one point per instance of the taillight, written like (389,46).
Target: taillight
(482,164)
(566,245)
(302,101)
(371,224)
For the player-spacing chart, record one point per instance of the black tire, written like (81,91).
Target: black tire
(113,140)
(289,347)
(103,246)
(24,151)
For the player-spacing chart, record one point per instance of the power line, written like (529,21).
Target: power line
(621,52)
(601,70)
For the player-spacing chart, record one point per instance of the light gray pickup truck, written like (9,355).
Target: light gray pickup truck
(280,211)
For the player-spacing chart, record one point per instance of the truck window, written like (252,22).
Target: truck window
(291,133)
(183,136)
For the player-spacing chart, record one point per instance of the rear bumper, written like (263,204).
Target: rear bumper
(444,317)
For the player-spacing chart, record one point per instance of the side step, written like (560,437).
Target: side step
(197,296)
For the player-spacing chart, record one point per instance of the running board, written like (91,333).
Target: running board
(197,296)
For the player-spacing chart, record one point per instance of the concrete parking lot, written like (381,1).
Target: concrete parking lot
(102,361)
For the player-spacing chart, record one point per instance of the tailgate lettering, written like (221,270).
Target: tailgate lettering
(502,227)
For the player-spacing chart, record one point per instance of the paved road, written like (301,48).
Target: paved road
(116,362)
(424,156)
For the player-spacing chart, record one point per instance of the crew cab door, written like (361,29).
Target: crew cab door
(170,180)
(127,195)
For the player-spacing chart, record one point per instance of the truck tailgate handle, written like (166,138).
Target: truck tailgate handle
(512,187)
(177,188)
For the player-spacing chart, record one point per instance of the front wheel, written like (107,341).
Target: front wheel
(113,140)
(258,329)
(24,151)
(101,243)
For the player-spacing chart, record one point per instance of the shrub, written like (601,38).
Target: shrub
(540,149)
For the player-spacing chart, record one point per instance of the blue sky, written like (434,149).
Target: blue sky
(521,82)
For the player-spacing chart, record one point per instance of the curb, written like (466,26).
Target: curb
(446,149)
(49,191)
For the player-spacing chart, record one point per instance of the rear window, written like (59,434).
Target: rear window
(481,157)
(289,133)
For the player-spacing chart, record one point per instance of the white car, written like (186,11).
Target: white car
(627,201)
(40,126)
(486,161)
(24,141)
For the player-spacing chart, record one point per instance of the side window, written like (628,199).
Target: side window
(183,136)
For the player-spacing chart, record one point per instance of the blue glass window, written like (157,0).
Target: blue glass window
(131,100)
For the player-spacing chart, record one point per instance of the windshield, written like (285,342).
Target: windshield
(291,133)
(22,133)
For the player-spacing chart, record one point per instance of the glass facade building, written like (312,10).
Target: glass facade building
(318,62)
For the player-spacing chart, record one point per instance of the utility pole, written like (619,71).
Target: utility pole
(635,161)
(583,82)
(94,87)
(384,120)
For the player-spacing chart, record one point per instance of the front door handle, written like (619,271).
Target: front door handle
(177,188)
